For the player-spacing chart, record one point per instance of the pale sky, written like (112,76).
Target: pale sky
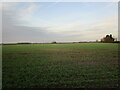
(61,22)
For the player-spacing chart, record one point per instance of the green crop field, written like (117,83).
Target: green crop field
(82,65)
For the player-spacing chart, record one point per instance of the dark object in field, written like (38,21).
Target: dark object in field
(54,42)
(108,39)
(24,43)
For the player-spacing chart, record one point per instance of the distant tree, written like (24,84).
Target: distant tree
(108,39)
(54,42)
(97,41)
(111,36)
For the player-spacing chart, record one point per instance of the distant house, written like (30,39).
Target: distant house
(108,39)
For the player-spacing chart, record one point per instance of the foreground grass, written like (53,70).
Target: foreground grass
(85,65)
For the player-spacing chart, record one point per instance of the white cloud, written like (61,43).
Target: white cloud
(0,5)
(111,5)
(14,31)
(60,0)
(29,9)
(0,22)
(15,28)
(88,31)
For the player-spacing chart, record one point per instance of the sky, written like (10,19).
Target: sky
(58,21)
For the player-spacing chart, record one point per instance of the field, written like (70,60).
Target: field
(82,65)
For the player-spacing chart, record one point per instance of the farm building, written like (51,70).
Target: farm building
(108,39)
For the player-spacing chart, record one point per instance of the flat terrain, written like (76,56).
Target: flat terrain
(82,65)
